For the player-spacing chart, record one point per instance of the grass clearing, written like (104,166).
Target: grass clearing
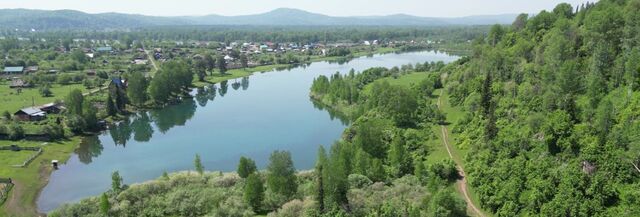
(13,101)
(407,80)
(10,158)
(32,178)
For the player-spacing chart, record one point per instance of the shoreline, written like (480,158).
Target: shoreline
(46,172)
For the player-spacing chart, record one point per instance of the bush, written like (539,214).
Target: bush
(75,123)
(53,131)
(15,132)
(359,181)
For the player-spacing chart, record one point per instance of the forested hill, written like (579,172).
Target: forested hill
(553,105)
(68,19)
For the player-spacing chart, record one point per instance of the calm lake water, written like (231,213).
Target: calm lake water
(250,117)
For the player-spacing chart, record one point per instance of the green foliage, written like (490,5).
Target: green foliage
(371,136)
(222,64)
(399,158)
(281,177)
(45,90)
(104,204)
(74,102)
(254,192)
(246,167)
(183,194)
(198,165)
(116,182)
(111,107)
(551,92)
(137,88)
(173,78)
(444,203)
(15,132)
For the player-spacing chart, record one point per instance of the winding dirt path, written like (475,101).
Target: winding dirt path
(461,184)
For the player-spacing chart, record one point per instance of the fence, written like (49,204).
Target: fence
(5,186)
(38,151)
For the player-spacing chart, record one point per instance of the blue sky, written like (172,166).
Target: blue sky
(431,8)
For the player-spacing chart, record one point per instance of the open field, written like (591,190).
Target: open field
(9,158)
(13,101)
(405,80)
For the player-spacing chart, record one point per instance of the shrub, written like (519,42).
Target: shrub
(359,181)
(15,132)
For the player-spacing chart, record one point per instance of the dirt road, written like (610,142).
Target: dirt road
(461,184)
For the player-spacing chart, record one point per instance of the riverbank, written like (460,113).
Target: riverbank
(216,77)
(181,124)
(30,180)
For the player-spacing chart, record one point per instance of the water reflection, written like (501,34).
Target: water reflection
(205,94)
(174,115)
(235,85)
(224,87)
(120,132)
(245,83)
(333,114)
(89,148)
(142,129)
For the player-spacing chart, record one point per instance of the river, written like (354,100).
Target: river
(251,117)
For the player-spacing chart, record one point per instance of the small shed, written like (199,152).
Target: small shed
(13,70)
(19,83)
(30,114)
(51,108)
(31,69)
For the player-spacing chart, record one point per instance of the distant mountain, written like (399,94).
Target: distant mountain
(69,19)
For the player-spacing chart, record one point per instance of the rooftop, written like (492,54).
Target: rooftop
(13,69)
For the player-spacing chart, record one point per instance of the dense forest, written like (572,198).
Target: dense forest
(298,34)
(551,121)
(552,112)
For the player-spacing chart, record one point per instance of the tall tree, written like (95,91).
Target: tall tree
(74,102)
(198,165)
(319,171)
(399,157)
(281,178)
(254,192)
(116,181)
(137,89)
(222,64)
(244,61)
(104,204)
(246,167)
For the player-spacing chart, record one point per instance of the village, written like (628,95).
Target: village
(54,92)
(103,60)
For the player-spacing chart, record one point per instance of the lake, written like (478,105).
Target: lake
(250,117)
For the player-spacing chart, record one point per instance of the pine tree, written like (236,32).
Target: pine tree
(198,165)
(320,164)
(486,94)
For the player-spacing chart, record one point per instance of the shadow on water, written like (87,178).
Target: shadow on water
(140,126)
(90,147)
(333,114)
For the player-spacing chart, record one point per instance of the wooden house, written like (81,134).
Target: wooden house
(30,114)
